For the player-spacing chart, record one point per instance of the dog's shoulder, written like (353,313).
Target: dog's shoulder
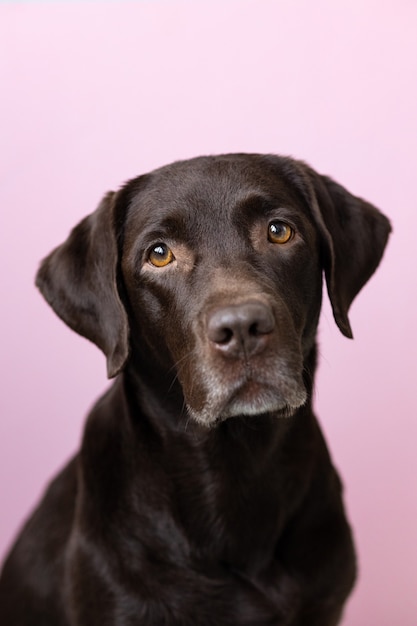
(40,553)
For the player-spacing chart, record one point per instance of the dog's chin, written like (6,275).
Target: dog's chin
(249,401)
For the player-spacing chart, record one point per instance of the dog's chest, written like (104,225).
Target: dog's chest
(232,516)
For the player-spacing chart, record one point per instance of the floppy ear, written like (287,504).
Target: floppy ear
(79,280)
(354,234)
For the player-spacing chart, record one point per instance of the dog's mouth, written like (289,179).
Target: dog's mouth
(251,398)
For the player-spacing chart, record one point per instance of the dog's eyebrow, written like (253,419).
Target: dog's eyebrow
(255,204)
(261,205)
(256,201)
(171,227)
(280,206)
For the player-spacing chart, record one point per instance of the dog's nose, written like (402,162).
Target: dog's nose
(240,330)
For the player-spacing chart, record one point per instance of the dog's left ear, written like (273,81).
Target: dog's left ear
(354,234)
(79,280)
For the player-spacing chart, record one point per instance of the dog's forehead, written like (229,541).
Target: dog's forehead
(218,186)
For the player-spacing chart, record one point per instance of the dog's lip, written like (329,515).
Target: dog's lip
(247,388)
(254,393)
(254,397)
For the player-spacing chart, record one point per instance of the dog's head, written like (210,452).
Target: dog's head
(209,271)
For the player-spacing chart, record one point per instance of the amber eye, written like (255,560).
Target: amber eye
(160,255)
(279,232)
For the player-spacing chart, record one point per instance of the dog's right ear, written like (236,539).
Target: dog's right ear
(79,280)
(354,235)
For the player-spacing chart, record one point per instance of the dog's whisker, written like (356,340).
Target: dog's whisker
(177,367)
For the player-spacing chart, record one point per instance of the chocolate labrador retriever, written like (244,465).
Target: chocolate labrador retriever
(203,494)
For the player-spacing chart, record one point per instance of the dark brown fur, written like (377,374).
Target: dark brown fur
(203,494)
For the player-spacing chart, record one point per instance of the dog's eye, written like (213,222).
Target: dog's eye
(160,255)
(279,232)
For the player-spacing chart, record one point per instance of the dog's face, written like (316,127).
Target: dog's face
(222,270)
(209,272)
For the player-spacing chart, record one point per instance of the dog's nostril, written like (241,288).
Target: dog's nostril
(218,331)
(254,330)
(223,335)
(240,329)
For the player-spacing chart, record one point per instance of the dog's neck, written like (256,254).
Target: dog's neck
(242,466)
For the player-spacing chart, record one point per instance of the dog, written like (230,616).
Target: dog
(203,493)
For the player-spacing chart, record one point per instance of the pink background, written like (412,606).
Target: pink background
(94,93)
